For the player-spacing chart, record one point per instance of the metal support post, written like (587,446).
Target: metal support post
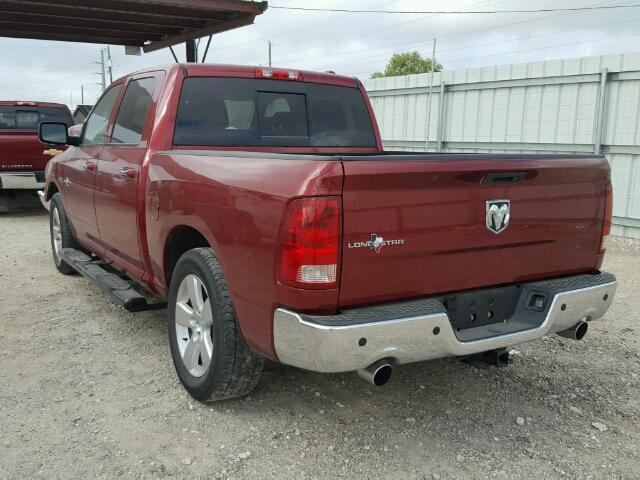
(441,116)
(602,102)
(192,52)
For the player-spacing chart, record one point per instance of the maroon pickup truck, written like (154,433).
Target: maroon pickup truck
(22,159)
(258,207)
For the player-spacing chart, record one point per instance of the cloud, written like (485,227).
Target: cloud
(348,43)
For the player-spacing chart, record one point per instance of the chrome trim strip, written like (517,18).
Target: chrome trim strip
(327,349)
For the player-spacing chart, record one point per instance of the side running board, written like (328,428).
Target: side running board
(118,288)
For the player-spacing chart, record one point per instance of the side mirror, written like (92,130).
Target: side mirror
(55,133)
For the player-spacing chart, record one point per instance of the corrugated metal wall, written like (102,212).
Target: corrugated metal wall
(555,106)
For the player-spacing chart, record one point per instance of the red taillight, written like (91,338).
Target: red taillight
(277,73)
(25,104)
(310,245)
(608,214)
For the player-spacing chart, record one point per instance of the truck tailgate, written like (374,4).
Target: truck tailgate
(432,216)
(21,150)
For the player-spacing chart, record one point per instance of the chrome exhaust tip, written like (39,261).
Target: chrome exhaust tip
(377,374)
(577,332)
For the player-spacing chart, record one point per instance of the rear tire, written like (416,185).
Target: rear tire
(209,352)
(61,234)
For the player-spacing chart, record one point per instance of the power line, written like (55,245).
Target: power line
(601,39)
(511,24)
(357,33)
(543,34)
(513,52)
(268,36)
(381,56)
(452,12)
(492,28)
(293,54)
(367,32)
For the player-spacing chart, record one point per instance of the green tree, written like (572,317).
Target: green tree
(407,64)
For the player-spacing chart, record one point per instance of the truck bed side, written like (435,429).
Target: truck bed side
(238,205)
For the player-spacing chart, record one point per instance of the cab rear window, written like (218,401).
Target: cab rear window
(217,111)
(28,118)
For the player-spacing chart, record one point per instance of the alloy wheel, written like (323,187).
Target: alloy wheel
(56,233)
(193,323)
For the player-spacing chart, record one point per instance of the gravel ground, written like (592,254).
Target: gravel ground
(87,389)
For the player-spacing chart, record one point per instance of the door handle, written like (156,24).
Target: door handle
(504,177)
(125,172)
(90,166)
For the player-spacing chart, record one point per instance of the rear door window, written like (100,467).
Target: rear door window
(27,119)
(216,111)
(133,111)
(56,114)
(23,118)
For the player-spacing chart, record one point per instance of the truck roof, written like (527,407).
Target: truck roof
(248,71)
(30,103)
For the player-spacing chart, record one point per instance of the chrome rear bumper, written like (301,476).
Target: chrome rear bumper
(422,331)
(20,181)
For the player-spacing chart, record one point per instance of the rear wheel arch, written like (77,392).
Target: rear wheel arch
(52,189)
(180,240)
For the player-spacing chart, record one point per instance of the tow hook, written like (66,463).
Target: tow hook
(497,358)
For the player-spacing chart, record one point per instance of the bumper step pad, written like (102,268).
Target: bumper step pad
(119,289)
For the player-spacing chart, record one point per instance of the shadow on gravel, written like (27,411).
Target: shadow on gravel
(18,203)
(415,390)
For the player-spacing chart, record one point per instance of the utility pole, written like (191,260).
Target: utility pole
(433,65)
(103,82)
(269,52)
(109,68)
(81,94)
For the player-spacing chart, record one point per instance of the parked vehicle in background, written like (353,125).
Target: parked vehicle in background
(81,113)
(260,205)
(22,160)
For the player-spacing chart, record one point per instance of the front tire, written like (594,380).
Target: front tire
(61,234)
(209,352)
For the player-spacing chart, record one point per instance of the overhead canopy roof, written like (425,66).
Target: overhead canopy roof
(150,24)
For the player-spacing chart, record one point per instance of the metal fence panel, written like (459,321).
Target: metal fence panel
(584,105)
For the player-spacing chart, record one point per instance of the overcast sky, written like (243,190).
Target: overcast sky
(348,43)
